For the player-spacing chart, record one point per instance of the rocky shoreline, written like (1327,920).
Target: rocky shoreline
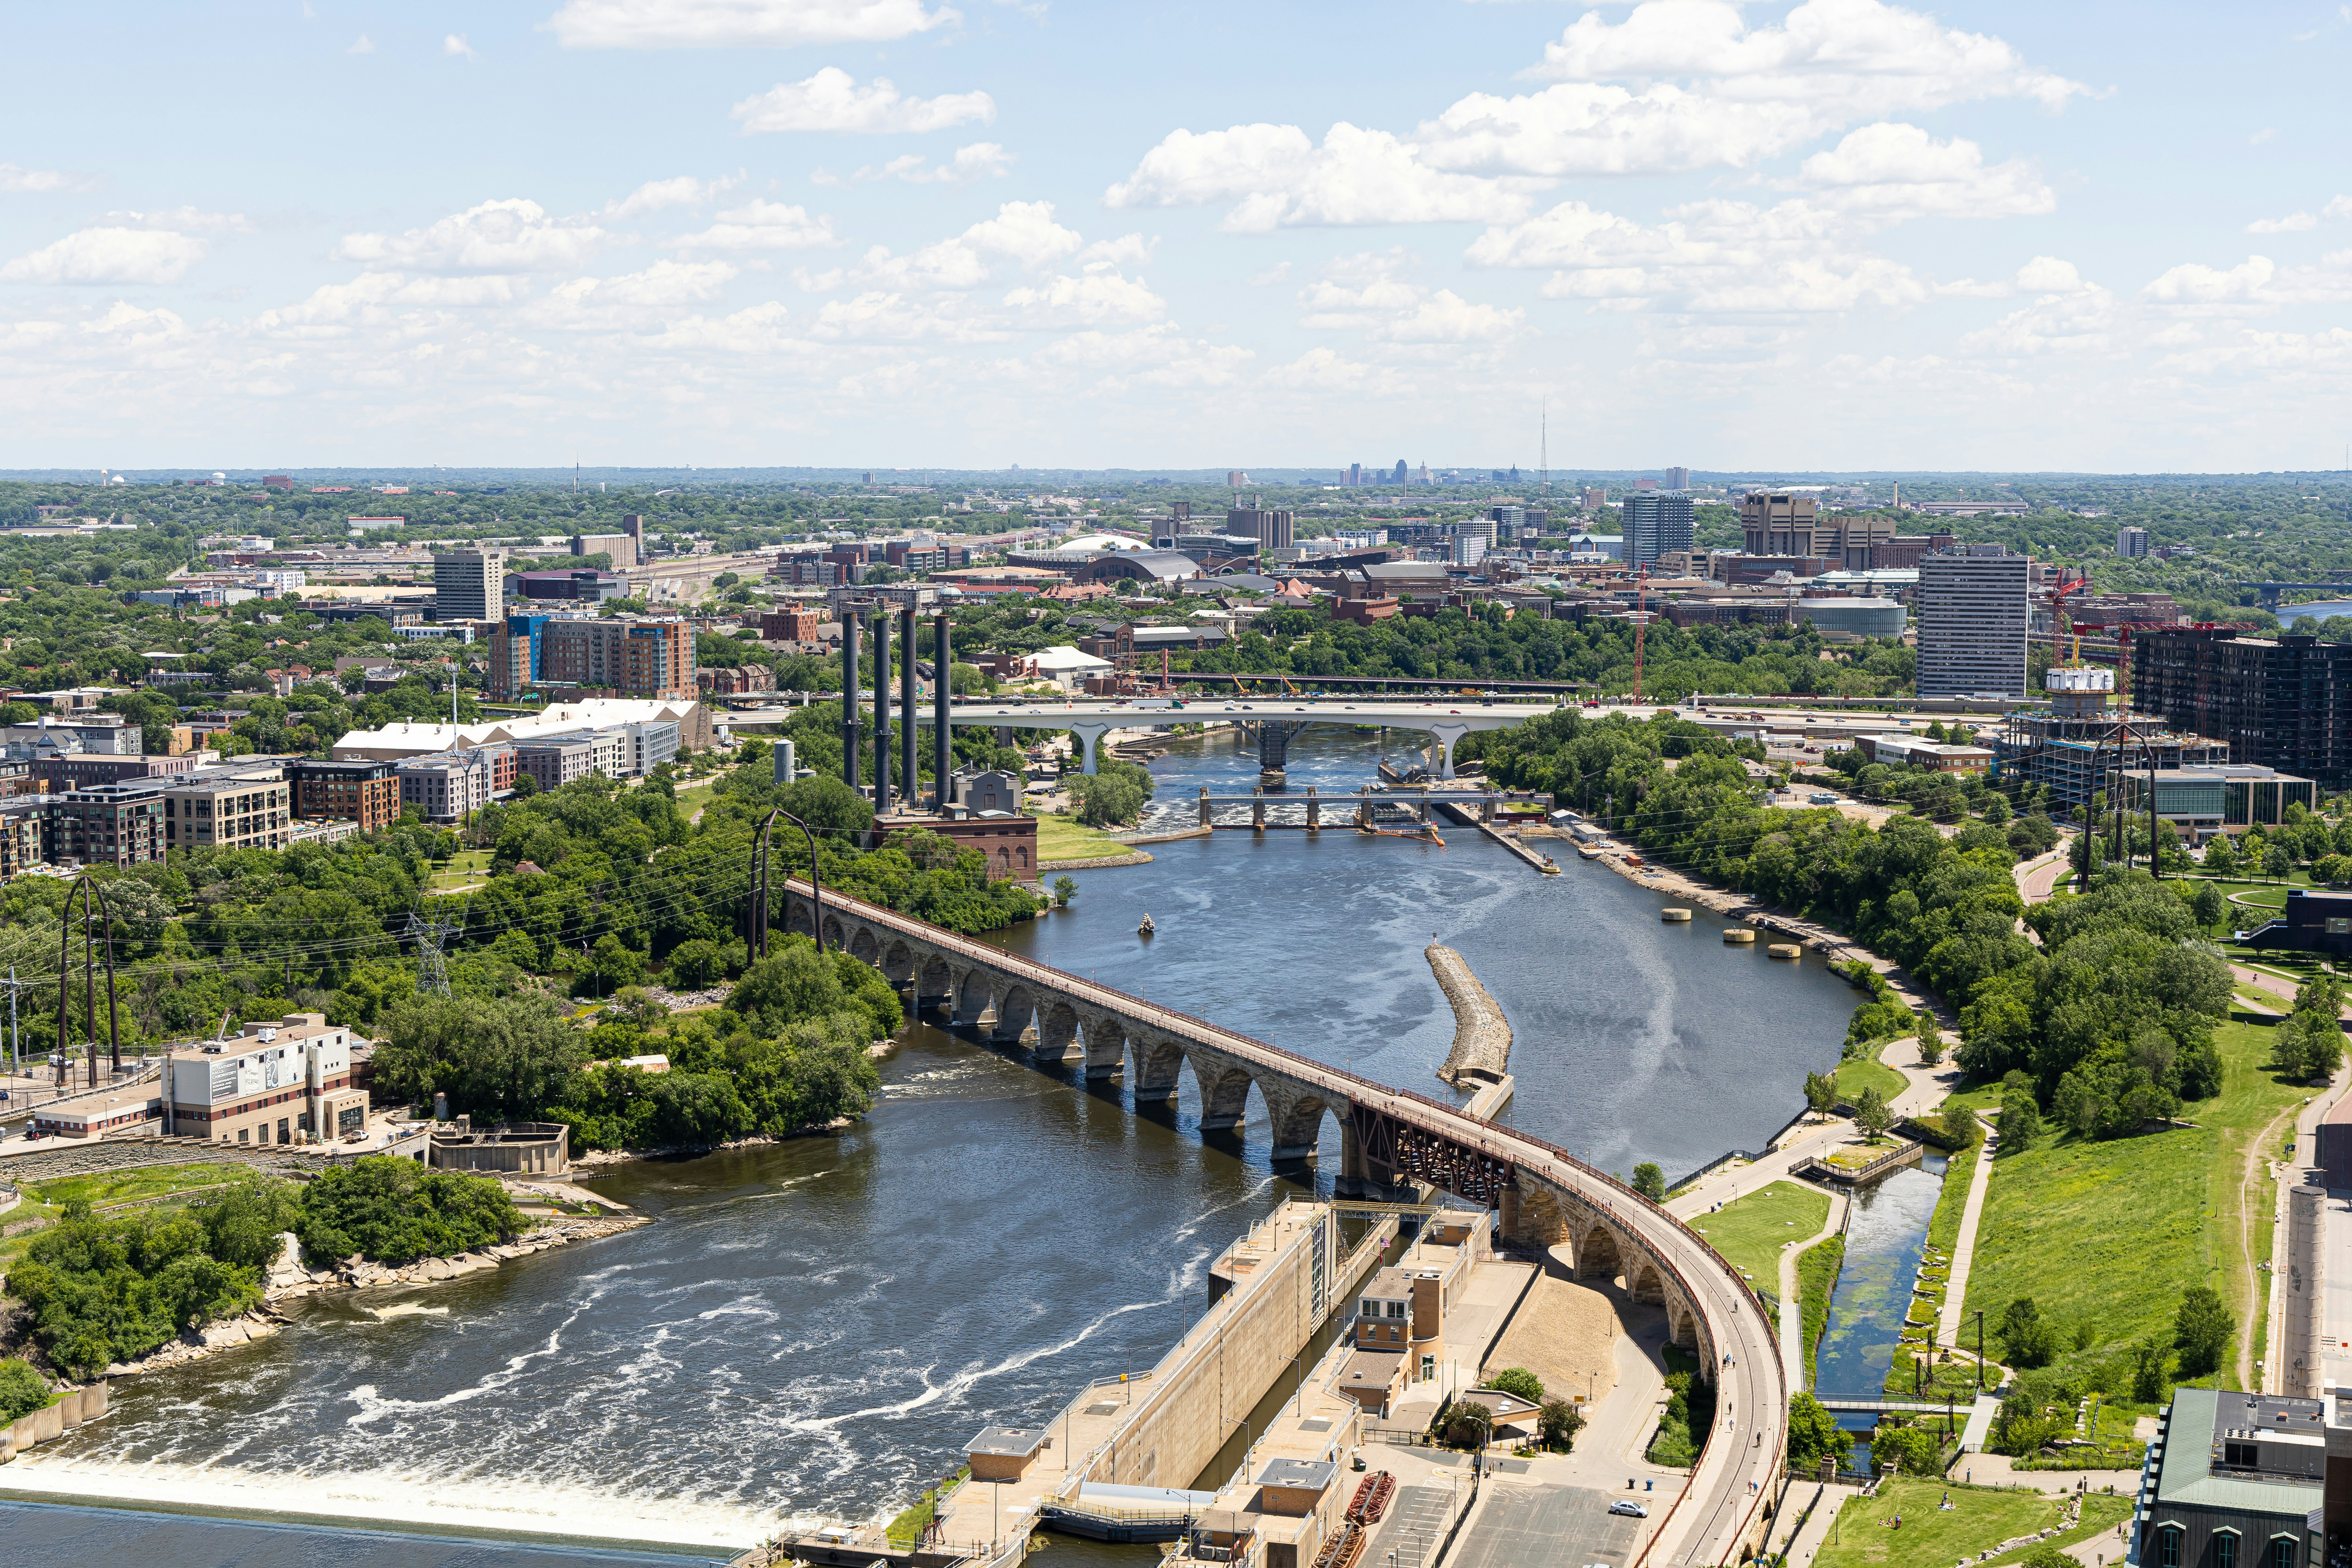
(289,1281)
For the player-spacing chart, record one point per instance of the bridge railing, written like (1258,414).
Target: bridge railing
(1309,1068)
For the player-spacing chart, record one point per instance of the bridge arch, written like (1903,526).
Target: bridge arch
(1597,1257)
(1158,1060)
(974,991)
(1016,1012)
(834,933)
(1299,1125)
(1225,1094)
(1646,1284)
(934,982)
(899,963)
(1057,1031)
(1106,1043)
(864,948)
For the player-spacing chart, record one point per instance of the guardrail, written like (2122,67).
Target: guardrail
(1434,1116)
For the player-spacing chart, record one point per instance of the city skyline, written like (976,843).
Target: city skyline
(1837,235)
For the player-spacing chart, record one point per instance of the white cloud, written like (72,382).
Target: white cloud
(2071,317)
(1386,309)
(2298,222)
(1152,356)
(762,226)
(632,299)
(1869,56)
(1096,299)
(16,179)
(657,195)
(379,299)
(1023,233)
(185,220)
(738,23)
(832,101)
(1890,173)
(2193,283)
(1126,250)
(118,256)
(982,160)
(1280,179)
(363,45)
(510,236)
(455,44)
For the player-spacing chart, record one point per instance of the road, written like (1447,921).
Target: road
(1444,721)
(1744,1455)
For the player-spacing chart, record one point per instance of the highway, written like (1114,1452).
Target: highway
(1745,1454)
(1443,721)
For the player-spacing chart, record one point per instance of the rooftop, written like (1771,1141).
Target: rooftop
(1017,1442)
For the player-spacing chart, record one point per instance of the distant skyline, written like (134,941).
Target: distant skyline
(1831,236)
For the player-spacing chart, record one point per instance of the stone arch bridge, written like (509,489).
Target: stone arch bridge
(1389,1140)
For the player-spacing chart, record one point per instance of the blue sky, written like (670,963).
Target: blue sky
(1836,234)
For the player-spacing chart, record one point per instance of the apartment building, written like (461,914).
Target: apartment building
(447,785)
(624,657)
(1973,618)
(554,761)
(468,584)
(2284,703)
(241,808)
(1657,522)
(367,793)
(24,822)
(278,1082)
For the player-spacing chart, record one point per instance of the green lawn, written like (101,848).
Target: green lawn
(1817,1273)
(462,869)
(1751,1231)
(47,1200)
(1979,1518)
(1067,838)
(2109,1233)
(1859,1073)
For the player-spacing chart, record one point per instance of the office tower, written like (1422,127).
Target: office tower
(1972,620)
(1595,497)
(1657,522)
(1272,530)
(468,584)
(1399,471)
(2131,542)
(1677,479)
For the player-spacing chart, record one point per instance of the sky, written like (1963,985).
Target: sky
(1829,235)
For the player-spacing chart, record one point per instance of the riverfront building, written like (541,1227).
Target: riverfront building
(2233,1480)
(230,808)
(2284,702)
(267,1086)
(2071,745)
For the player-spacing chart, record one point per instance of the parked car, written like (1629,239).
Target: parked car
(1629,1509)
(1822,797)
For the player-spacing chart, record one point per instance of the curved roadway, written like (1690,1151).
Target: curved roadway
(1743,1461)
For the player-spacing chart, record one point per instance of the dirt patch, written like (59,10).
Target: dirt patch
(1566,1334)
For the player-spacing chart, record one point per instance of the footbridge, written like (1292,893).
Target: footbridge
(1279,719)
(1392,1143)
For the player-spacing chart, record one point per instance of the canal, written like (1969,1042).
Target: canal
(812,1331)
(1886,1236)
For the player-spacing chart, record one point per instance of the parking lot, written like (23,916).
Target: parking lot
(1549,1527)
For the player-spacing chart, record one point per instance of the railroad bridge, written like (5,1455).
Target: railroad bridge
(1390,1140)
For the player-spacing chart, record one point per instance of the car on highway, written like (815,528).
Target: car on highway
(1629,1509)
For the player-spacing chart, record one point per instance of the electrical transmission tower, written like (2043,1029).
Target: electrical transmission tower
(432,960)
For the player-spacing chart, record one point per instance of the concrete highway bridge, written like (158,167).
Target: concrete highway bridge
(1391,1140)
(1277,718)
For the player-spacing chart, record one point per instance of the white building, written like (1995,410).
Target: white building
(1973,615)
(278,1080)
(394,741)
(1065,665)
(447,784)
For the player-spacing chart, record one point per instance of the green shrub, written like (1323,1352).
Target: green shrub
(1518,1381)
(394,1211)
(100,1291)
(22,1390)
(1914,1448)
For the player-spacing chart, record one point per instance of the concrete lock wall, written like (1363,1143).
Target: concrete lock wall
(1231,1358)
(46,1426)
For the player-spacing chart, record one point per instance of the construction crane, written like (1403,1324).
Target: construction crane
(2065,627)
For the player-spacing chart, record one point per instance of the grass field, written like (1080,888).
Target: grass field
(1067,838)
(1753,1230)
(2109,1233)
(47,1200)
(1979,1518)
(1860,1073)
(463,869)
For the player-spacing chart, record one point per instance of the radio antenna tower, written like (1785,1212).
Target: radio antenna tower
(1543,444)
(432,962)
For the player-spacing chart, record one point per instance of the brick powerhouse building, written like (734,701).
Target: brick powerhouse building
(266,1085)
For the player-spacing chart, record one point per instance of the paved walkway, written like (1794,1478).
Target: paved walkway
(1964,1246)
(2283,1175)
(1815,1530)
(1793,1308)
(2038,877)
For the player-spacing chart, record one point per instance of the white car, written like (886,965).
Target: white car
(1629,1509)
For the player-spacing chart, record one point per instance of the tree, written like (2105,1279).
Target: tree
(2028,1339)
(1065,890)
(1959,1125)
(2222,855)
(1650,1182)
(2307,1044)
(498,1058)
(1913,1449)
(2276,862)
(2021,1123)
(1813,1431)
(2201,1331)
(1558,1424)
(1821,1092)
(22,1390)
(2147,1372)
(2322,992)
(2209,905)
(1931,1037)
(2046,1554)
(525,786)
(1518,1381)
(1871,1115)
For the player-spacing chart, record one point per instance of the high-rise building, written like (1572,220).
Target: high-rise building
(1469,548)
(2284,703)
(2131,542)
(468,584)
(1508,517)
(1400,474)
(1355,474)
(1677,479)
(1595,497)
(625,658)
(1272,529)
(367,793)
(1657,522)
(1973,613)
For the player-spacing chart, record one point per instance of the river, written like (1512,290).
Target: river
(812,1331)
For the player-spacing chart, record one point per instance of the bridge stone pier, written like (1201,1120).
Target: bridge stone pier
(1393,1144)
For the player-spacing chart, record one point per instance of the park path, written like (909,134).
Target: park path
(1964,1246)
(2037,878)
(2284,1174)
(1792,1309)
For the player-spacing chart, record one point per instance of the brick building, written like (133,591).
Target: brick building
(363,792)
(265,1086)
(2284,703)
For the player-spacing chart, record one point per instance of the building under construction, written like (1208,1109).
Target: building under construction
(2076,743)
